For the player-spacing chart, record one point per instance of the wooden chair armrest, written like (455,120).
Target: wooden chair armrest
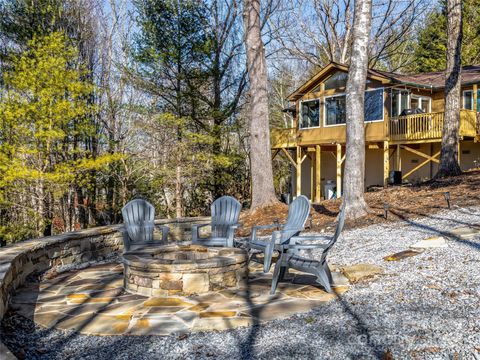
(162,227)
(303,246)
(198,226)
(253,235)
(301,238)
(264,227)
(195,233)
(278,235)
(165,231)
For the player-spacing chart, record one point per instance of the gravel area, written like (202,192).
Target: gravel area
(423,307)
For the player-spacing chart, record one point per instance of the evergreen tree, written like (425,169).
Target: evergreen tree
(431,44)
(169,51)
(187,56)
(42,112)
(21,20)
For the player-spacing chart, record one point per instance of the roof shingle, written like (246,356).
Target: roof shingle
(434,79)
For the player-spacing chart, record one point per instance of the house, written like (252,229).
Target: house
(410,144)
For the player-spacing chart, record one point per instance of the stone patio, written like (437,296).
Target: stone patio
(425,274)
(93,301)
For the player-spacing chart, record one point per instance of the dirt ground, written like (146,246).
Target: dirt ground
(404,202)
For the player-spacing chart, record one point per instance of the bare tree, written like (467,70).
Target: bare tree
(326,28)
(354,180)
(449,154)
(263,192)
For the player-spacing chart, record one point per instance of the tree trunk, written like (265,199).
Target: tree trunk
(354,177)
(263,192)
(449,154)
(48,212)
(178,192)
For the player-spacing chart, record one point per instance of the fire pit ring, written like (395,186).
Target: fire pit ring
(183,270)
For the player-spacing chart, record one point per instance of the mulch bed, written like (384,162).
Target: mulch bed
(406,201)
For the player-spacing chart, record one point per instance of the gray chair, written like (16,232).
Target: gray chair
(138,217)
(225,214)
(291,259)
(298,212)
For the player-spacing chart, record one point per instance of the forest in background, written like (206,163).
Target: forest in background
(105,101)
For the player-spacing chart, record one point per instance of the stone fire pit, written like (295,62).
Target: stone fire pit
(183,270)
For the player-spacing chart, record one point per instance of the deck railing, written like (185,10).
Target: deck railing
(429,126)
(416,127)
(468,123)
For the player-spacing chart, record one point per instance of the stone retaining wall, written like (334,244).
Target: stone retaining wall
(17,261)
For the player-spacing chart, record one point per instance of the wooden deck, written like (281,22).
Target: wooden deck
(428,126)
(404,129)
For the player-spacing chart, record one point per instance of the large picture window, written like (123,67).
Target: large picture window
(310,114)
(335,110)
(373,108)
(335,107)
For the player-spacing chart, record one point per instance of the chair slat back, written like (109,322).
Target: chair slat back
(225,212)
(338,231)
(138,217)
(298,212)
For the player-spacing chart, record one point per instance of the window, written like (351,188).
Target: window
(336,81)
(478,100)
(335,107)
(399,102)
(310,114)
(468,99)
(421,102)
(373,108)
(335,110)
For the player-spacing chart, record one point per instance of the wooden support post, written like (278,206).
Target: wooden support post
(312,178)
(339,170)
(386,163)
(399,158)
(318,172)
(299,171)
(459,152)
(431,162)
(475,97)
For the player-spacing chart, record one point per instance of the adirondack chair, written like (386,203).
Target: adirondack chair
(298,212)
(225,213)
(138,217)
(291,259)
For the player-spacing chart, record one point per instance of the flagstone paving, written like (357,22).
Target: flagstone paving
(93,301)
(420,302)
(431,242)
(358,272)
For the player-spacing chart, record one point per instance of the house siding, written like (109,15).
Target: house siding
(413,132)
